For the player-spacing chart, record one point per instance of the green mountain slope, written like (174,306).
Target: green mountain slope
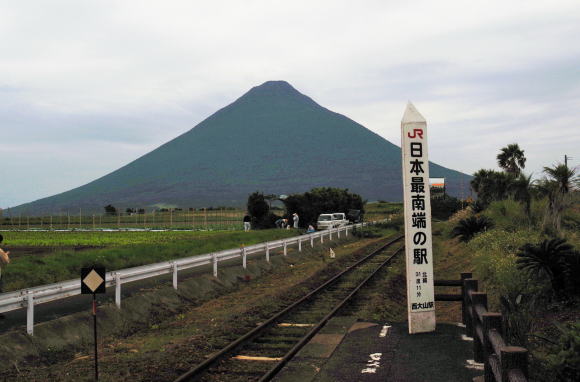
(273,139)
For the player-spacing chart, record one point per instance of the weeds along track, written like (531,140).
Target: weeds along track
(262,352)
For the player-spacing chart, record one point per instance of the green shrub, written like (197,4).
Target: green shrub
(565,363)
(259,211)
(548,259)
(495,264)
(466,229)
(507,214)
(443,208)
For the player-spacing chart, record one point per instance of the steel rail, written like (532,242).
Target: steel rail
(196,372)
(274,370)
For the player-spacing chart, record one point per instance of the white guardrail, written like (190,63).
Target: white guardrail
(29,297)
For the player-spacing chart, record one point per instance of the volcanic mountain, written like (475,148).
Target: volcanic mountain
(273,139)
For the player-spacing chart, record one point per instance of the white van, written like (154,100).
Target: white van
(327,221)
(339,219)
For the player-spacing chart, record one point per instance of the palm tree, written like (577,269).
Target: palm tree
(511,158)
(520,189)
(562,175)
(490,185)
(548,259)
(556,186)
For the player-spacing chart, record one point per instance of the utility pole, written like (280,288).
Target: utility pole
(566,158)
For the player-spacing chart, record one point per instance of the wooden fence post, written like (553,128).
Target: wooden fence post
(478,298)
(513,357)
(468,285)
(490,321)
(464,276)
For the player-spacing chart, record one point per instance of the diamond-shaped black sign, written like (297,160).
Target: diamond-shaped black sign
(92,280)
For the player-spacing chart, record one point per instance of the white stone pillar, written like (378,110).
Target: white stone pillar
(417,205)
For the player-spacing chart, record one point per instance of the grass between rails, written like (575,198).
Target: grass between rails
(28,271)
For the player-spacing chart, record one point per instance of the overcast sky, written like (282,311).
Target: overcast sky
(88,86)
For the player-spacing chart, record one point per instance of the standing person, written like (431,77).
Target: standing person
(4,260)
(247,224)
(295,219)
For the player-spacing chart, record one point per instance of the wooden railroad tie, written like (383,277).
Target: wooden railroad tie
(255,358)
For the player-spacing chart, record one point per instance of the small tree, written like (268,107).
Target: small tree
(322,200)
(259,211)
(520,189)
(110,210)
(490,185)
(556,186)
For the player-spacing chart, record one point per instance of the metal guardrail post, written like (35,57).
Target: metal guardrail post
(311,241)
(118,290)
(299,245)
(30,313)
(267,252)
(174,275)
(285,248)
(215,265)
(330,234)
(321,237)
(338,232)
(244,260)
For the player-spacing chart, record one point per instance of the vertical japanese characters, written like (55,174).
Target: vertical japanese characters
(418,244)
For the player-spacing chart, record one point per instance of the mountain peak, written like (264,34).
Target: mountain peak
(280,84)
(276,92)
(271,88)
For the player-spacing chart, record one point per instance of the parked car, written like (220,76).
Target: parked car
(339,219)
(324,221)
(354,216)
(327,221)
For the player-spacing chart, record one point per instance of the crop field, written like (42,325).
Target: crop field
(201,219)
(382,210)
(102,238)
(120,250)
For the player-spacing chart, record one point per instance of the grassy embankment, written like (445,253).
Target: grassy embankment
(535,310)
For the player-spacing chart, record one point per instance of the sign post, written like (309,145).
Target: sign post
(93,282)
(417,203)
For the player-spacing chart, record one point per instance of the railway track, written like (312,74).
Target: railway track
(262,352)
